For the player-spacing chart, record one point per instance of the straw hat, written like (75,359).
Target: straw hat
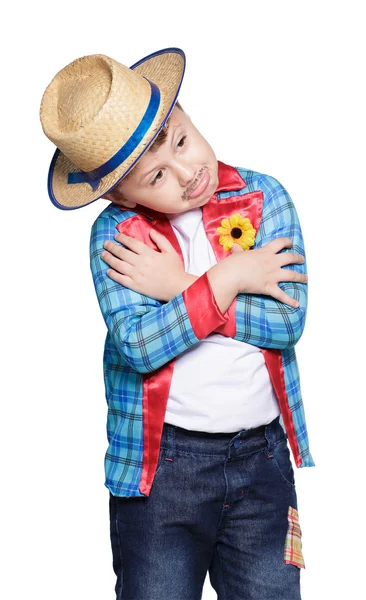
(103,116)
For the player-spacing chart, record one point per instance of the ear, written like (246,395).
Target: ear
(126,203)
(116,197)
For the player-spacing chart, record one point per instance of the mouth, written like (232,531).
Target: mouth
(200,187)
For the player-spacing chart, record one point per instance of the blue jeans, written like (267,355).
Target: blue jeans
(218,504)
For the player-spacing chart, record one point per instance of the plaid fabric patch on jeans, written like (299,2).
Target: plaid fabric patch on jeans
(293,553)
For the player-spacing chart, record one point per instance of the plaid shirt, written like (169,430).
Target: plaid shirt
(145,334)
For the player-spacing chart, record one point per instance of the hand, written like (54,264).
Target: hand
(160,275)
(260,269)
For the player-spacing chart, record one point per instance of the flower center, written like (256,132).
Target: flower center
(236,233)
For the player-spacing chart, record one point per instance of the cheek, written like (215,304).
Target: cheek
(169,193)
(203,151)
(163,198)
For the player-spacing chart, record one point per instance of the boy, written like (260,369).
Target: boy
(199,363)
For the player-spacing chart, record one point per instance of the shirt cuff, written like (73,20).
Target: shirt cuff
(229,328)
(203,311)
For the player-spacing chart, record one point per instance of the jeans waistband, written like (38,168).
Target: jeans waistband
(241,442)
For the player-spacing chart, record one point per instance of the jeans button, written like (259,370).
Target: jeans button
(236,443)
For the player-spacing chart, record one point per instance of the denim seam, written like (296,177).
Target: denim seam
(280,440)
(184,453)
(120,551)
(224,502)
(162,460)
(195,453)
(222,573)
(289,483)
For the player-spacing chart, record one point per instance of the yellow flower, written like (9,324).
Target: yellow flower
(236,230)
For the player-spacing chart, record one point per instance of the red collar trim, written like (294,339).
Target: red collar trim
(229,181)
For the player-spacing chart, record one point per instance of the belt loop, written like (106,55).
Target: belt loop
(170,437)
(271,438)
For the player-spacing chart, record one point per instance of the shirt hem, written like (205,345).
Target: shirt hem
(124,491)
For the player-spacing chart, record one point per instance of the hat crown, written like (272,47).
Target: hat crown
(73,112)
(91,108)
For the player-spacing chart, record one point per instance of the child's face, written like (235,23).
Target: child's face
(165,179)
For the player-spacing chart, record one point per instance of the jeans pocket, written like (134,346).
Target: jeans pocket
(161,459)
(293,547)
(282,460)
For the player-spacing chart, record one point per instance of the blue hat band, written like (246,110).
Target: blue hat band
(94,177)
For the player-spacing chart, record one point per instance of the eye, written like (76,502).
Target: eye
(157,177)
(182,141)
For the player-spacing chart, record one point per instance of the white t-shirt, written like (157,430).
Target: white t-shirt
(219,384)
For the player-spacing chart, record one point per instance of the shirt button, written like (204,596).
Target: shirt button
(236,443)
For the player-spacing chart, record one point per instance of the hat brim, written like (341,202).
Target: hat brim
(166,69)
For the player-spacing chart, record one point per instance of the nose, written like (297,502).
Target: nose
(185,172)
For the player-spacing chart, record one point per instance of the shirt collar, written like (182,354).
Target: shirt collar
(229,181)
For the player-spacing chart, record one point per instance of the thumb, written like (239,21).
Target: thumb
(161,241)
(236,248)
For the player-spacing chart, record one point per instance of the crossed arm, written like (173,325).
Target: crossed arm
(262,320)
(148,333)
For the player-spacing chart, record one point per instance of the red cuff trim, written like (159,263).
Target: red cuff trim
(202,308)
(229,328)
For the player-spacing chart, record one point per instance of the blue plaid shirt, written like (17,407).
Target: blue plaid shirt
(144,334)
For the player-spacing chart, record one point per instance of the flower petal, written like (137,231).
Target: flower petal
(234,220)
(243,221)
(228,244)
(226,241)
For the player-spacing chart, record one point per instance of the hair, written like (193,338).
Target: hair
(159,140)
(162,135)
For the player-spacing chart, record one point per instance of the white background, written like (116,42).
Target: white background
(274,86)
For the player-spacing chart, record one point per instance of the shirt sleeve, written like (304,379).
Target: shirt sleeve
(261,320)
(146,332)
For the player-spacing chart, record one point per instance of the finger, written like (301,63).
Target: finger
(280,295)
(161,241)
(118,265)
(290,275)
(286,258)
(121,252)
(279,243)
(236,248)
(124,280)
(135,245)
(121,279)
